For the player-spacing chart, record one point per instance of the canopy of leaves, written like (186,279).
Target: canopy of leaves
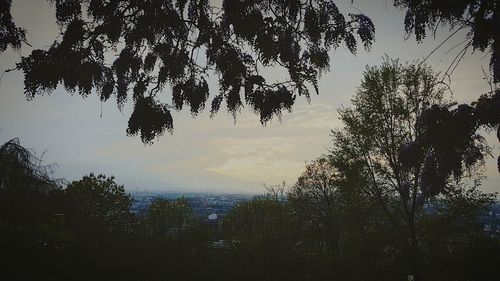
(165,215)
(158,44)
(452,134)
(412,141)
(27,187)
(328,193)
(408,146)
(259,223)
(480,17)
(98,204)
(10,34)
(315,198)
(20,169)
(316,191)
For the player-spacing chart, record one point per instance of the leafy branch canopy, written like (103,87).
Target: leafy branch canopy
(139,48)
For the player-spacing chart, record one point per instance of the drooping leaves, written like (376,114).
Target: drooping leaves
(480,17)
(270,102)
(453,134)
(150,119)
(193,92)
(10,34)
(115,47)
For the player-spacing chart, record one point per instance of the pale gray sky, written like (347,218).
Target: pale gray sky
(207,154)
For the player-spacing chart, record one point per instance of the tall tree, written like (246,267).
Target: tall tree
(315,197)
(329,201)
(385,130)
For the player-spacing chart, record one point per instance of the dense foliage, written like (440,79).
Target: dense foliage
(452,131)
(410,153)
(480,18)
(153,47)
(145,46)
(10,34)
(97,203)
(332,224)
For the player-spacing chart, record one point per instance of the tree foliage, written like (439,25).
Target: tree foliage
(266,238)
(21,169)
(480,18)
(259,223)
(80,233)
(10,34)
(157,44)
(177,44)
(168,217)
(29,198)
(99,205)
(390,130)
(24,177)
(315,197)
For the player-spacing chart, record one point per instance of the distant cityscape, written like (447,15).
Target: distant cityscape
(490,220)
(215,206)
(205,206)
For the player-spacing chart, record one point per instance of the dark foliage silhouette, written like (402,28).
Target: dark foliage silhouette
(451,134)
(398,129)
(88,232)
(316,196)
(10,35)
(22,175)
(168,218)
(178,44)
(20,168)
(265,232)
(29,198)
(450,137)
(99,205)
(480,18)
(158,43)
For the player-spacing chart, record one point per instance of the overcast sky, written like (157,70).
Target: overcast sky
(203,154)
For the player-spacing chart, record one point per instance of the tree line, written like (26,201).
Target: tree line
(393,199)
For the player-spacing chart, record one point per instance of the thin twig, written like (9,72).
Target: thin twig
(445,53)
(442,43)
(456,61)
(6,71)
(488,79)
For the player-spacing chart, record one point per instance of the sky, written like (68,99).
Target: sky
(213,154)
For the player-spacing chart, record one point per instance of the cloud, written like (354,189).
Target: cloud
(264,159)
